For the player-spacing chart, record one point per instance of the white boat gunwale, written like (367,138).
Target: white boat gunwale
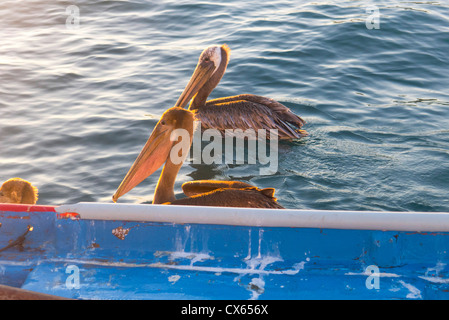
(288,218)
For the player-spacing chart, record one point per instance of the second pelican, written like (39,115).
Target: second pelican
(245,111)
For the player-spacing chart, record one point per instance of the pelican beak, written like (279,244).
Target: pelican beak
(153,155)
(202,73)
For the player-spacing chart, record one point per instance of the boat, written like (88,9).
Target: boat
(107,251)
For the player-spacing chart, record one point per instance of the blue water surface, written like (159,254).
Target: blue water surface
(78,103)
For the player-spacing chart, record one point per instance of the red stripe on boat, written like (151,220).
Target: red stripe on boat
(26,208)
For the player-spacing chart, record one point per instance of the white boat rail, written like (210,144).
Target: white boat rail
(289,218)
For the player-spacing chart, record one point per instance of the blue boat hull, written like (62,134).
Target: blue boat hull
(118,259)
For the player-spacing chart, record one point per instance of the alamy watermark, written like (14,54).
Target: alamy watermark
(373,280)
(73,17)
(73,280)
(259,148)
(373,20)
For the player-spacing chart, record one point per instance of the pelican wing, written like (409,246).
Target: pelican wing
(196,187)
(248,111)
(251,197)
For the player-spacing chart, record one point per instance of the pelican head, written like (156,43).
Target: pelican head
(17,190)
(157,149)
(212,55)
(208,73)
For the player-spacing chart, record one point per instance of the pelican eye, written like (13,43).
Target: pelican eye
(163,122)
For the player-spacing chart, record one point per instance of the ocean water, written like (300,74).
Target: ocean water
(79,97)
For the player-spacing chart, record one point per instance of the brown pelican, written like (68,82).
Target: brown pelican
(17,190)
(243,111)
(160,148)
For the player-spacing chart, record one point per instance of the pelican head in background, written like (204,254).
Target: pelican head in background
(164,146)
(17,190)
(244,111)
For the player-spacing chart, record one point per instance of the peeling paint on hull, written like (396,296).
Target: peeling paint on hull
(83,259)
